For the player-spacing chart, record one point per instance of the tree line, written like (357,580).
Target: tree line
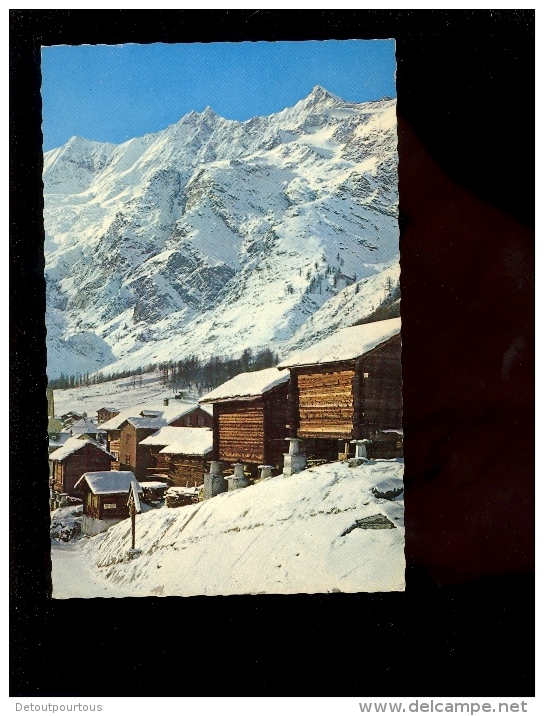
(190,373)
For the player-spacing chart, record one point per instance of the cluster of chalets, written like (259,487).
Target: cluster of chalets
(340,399)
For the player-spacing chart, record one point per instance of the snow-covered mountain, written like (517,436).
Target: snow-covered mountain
(215,235)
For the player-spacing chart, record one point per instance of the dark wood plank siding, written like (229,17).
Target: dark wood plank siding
(325,401)
(240,431)
(89,459)
(276,418)
(94,506)
(132,455)
(382,387)
(197,418)
(187,470)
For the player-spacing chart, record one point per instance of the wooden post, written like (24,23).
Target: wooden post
(132,509)
(293,404)
(358,415)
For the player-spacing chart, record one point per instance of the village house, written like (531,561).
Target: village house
(187,456)
(106,413)
(71,417)
(71,460)
(86,428)
(159,464)
(249,419)
(348,387)
(175,413)
(134,456)
(105,497)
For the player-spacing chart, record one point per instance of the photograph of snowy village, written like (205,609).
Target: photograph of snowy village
(223,319)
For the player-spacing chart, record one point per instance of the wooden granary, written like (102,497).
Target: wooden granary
(127,430)
(250,417)
(105,496)
(187,456)
(75,457)
(346,387)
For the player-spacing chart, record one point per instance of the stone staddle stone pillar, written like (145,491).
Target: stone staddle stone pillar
(214,482)
(294,461)
(266,471)
(238,480)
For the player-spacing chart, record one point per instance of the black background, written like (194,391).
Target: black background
(465,625)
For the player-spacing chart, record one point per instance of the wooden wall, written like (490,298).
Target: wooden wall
(349,400)
(252,431)
(382,388)
(132,455)
(197,418)
(93,505)
(276,419)
(187,470)
(89,459)
(239,431)
(325,401)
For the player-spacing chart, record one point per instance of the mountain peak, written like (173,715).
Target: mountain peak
(208,113)
(320,94)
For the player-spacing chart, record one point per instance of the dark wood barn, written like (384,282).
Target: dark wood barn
(187,456)
(158,462)
(73,459)
(346,387)
(106,413)
(105,496)
(250,417)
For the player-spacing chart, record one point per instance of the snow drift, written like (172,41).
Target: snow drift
(322,530)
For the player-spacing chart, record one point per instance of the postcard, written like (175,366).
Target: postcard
(223,318)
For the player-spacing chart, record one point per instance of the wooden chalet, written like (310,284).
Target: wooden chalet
(127,430)
(249,418)
(105,497)
(75,457)
(106,413)
(86,428)
(346,387)
(71,417)
(178,414)
(187,456)
(158,464)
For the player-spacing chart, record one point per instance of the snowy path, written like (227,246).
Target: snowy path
(71,578)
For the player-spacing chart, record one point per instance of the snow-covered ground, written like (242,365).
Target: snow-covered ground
(284,535)
(121,394)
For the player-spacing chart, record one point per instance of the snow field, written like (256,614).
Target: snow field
(280,536)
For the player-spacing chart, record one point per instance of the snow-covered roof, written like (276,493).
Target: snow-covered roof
(247,385)
(84,426)
(168,413)
(108,482)
(182,491)
(153,485)
(207,409)
(73,445)
(190,441)
(345,344)
(139,422)
(164,436)
(108,408)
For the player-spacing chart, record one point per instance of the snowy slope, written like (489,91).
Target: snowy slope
(122,394)
(283,535)
(215,235)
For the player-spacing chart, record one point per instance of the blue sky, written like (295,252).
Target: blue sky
(113,93)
